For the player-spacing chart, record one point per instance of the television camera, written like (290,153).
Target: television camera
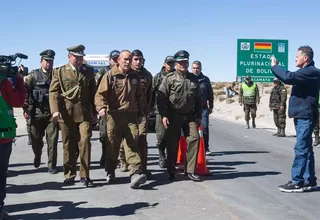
(7,63)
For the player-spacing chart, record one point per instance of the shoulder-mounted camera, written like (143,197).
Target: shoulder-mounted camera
(7,65)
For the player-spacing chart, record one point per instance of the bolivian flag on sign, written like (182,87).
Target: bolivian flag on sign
(263,47)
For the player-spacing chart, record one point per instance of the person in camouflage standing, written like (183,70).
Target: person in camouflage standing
(316,128)
(102,120)
(249,97)
(168,67)
(38,111)
(180,106)
(277,104)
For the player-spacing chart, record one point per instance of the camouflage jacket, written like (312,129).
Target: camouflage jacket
(278,97)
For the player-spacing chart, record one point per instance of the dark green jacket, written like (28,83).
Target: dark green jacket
(180,93)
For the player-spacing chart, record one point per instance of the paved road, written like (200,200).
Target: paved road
(247,167)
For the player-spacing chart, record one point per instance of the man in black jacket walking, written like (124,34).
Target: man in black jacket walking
(303,108)
(207,101)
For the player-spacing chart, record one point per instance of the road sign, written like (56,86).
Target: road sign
(254,55)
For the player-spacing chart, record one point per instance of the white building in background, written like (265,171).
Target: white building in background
(97,61)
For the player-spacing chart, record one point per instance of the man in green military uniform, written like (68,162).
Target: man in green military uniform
(278,105)
(146,84)
(113,56)
(317,128)
(37,110)
(119,99)
(71,98)
(180,106)
(249,97)
(167,67)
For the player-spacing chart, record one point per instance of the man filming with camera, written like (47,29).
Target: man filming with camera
(11,95)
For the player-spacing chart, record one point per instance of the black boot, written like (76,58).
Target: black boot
(253,123)
(162,159)
(277,133)
(316,140)
(247,125)
(282,133)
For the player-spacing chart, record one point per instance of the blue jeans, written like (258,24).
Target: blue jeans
(205,127)
(303,167)
(5,152)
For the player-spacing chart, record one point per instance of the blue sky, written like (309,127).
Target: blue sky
(208,30)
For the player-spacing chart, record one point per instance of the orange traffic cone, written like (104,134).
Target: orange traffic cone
(182,149)
(201,168)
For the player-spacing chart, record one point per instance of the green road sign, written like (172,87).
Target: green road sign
(254,58)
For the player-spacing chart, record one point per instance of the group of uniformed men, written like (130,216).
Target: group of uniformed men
(71,96)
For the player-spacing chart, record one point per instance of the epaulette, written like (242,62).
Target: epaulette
(59,66)
(33,71)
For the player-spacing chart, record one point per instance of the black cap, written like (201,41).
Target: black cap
(169,59)
(114,54)
(77,50)
(181,55)
(248,77)
(137,53)
(48,54)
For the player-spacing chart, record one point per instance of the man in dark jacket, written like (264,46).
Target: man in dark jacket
(207,101)
(303,108)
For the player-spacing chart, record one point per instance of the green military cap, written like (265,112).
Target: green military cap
(77,50)
(48,54)
(181,55)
